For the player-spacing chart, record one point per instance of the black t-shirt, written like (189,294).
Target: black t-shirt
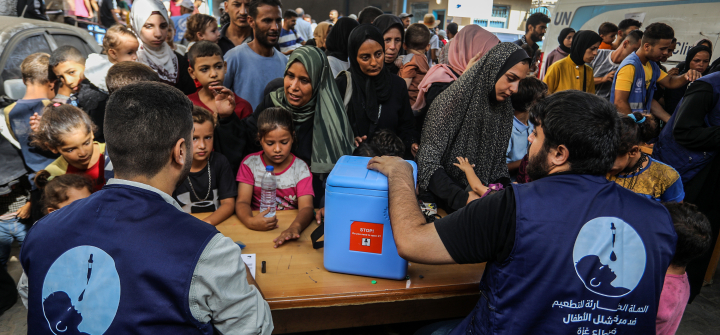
(223,186)
(482,231)
(690,129)
(107,17)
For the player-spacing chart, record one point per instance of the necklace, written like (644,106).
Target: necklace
(638,166)
(209,184)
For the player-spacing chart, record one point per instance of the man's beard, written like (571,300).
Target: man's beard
(188,164)
(536,37)
(262,38)
(538,166)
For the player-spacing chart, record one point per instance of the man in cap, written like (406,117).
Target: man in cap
(432,54)
(405,17)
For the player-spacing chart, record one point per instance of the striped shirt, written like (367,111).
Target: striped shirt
(289,40)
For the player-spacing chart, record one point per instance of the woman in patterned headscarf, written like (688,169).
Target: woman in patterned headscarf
(322,130)
(472,119)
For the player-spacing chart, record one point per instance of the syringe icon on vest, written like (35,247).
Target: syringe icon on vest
(613,257)
(89,272)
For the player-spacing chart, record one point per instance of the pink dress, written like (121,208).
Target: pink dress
(292,183)
(80,9)
(673,300)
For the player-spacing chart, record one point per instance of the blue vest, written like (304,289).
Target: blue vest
(590,256)
(640,98)
(118,262)
(688,162)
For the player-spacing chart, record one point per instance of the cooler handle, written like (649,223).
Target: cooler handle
(317,234)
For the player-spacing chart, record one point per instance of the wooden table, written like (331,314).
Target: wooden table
(303,296)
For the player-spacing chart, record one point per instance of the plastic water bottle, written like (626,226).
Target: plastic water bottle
(267,195)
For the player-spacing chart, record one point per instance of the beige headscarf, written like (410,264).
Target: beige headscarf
(320,33)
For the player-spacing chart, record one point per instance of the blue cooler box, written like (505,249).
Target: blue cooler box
(358,235)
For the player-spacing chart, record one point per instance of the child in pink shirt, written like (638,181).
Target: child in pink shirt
(276,133)
(693,239)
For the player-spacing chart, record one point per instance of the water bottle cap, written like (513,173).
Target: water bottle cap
(269,168)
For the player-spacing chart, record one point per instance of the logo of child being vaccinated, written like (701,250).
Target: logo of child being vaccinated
(609,256)
(81,292)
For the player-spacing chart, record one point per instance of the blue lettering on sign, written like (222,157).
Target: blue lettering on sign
(563,18)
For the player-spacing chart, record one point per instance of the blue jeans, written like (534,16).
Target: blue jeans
(10,230)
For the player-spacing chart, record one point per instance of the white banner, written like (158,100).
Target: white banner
(470,8)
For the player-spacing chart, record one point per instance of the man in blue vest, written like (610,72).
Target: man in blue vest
(690,143)
(128,259)
(569,253)
(637,77)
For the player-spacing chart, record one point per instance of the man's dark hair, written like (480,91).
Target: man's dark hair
(289,14)
(143,122)
(634,36)
(203,49)
(656,32)
(592,136)
(387,143)
(535,19)
(607,28)
(368,14)
(126,73)
(65,53)
(254,4)
(694,234)
(452,28)
(417,37)
(627,23)
(530,91)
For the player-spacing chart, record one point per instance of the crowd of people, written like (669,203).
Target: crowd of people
(531,156)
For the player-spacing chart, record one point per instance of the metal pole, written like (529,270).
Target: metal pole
(404,6)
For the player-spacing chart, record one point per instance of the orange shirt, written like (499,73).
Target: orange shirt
(604,45)
(415,69)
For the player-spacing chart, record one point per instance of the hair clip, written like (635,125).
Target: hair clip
(57,104)
(632,116)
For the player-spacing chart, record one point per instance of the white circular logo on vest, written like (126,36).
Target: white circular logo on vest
(81,292)
(609,257)
(639,82)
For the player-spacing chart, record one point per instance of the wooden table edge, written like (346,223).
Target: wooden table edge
(366,298)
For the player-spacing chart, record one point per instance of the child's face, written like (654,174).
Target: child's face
(202,140)
(73,194)
(609,38)
(155,31)
(126,51)
(276,145)
(209,71)
(625,161)
(71,74)
(77,148)
(211,33)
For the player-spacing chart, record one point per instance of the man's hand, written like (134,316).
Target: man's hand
(389,164)
(414,149)
(261,223)
(224,100)
(674,71)
(608,77)
(292,233)
(319,215)
(692,75)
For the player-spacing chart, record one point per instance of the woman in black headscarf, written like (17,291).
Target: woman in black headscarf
(336,45)
(698,59)
(571,73)
(393,33)
(473,119)
(563,50)
(374,98)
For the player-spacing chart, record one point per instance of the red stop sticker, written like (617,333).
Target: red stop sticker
(366,237)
